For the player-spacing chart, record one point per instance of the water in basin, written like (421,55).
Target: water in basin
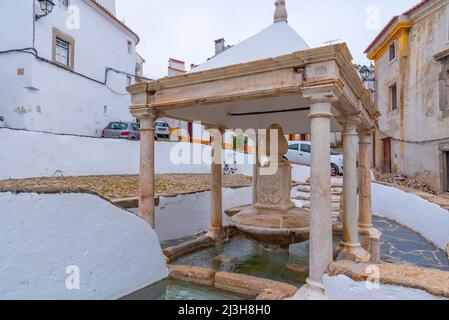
(178,290)
(247,257)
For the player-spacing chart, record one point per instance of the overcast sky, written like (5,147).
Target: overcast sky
(186,30)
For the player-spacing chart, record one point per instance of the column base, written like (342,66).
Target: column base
(311,291)
(352,252)
(370,240)
(218,234)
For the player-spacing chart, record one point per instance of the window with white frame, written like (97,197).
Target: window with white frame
(130,47)
(63,49)
(62,52)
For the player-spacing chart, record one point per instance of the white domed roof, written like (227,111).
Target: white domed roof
(276,40)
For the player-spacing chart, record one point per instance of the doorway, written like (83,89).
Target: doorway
(386,155)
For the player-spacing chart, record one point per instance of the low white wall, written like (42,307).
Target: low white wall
(344,288)
(188,215)
(41,235)
(426,218)
(26,154)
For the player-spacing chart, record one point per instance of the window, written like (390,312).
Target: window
(63,49)
(394,97)
(306,148)
(293,147)
(130,47)
(117,126)
(128,81)
(392,51)
(136,126)
(62,52)
(162,124)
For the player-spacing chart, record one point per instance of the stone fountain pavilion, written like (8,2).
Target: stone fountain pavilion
(275,78)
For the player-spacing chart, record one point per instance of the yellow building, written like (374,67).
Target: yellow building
(411,57)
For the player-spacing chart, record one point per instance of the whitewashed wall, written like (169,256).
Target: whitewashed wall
(48,98)
(32,154)
(344,288)
(27,154)
(116,252)
(188,215)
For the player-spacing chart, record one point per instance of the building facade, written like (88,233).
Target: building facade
(411,58)
(65,72)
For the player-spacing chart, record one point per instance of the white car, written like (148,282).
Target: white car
(162,129)
(299,153)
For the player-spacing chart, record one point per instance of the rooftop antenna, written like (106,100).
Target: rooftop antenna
(280,15)
(331,41)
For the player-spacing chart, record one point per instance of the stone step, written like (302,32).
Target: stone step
(234,211)
(306,197)
(338,186)
(306,189)
(335,213)
(335,207)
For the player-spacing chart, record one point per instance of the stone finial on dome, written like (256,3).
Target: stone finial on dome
(280,15)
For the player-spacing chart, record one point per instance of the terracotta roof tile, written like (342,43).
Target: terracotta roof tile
(392,21)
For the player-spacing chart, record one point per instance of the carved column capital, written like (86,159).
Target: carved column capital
(350,124)
(144,112)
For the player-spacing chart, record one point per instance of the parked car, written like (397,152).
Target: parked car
(162,129)
(299,152)
(2,122)
(122,130)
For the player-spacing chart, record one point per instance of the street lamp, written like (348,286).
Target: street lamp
(46,7)
(365,72)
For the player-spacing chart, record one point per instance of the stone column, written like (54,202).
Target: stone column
(321,246)
(369,236)
(255,167)
(350,248)
(146,177)
(216,206)
(365,215)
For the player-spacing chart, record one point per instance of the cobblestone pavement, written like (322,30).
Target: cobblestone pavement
(402,245)
(120,186)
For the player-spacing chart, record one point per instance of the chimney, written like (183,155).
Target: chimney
(176,67)
(219,46)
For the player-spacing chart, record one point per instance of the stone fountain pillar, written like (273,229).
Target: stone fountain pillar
(273,220)
(274,191)
(350,248)
(146,188)
(369,236)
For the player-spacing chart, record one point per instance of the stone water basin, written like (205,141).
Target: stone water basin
(243,256)
(171,289)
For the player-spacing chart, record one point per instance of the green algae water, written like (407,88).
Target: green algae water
(239,255)
(178,290)
(244,256)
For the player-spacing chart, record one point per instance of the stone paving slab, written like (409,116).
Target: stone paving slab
(402,245)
